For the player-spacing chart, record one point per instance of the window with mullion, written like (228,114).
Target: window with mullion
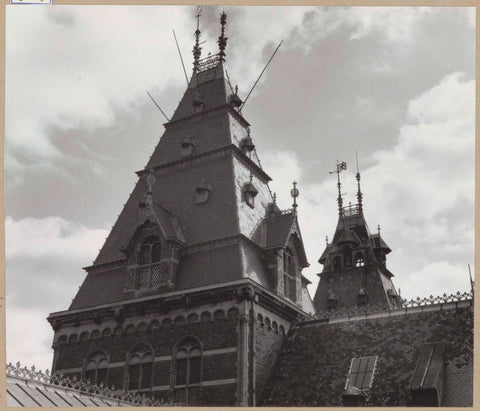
(361,372)
(289,274)
(188,373)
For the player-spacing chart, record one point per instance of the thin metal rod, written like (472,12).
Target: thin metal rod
(356,157)
(154,102)
(471,281)
(181,58)
(266,65)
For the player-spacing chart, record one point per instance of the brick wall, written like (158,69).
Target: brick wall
(267,345)
(217,333)
(313,366)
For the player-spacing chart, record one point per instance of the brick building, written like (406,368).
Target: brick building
(200,280)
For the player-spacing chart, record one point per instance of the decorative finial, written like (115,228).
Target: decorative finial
(236,89)
(294,193)
(251,178)
(378,228)
(150,182)
(340,167)
(359,192)
(326,239)
(274,198)
(197,50)
(222,40)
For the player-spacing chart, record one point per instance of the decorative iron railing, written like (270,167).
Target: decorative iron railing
(74,383)
(146,276)
(351,210)
(405,304)
(208,62)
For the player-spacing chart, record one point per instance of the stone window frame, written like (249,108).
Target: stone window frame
(145,354)
(355,371)
(187,347)
(96,360)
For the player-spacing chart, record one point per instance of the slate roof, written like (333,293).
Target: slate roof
(314,363)
(215,133)
(274,232)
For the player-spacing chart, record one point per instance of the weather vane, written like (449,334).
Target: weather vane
(340,167)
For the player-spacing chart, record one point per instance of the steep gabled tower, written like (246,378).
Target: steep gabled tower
(354,263)
(200,278)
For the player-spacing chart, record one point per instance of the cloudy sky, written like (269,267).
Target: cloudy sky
(394,84)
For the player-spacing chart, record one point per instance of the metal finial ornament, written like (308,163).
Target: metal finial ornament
(150,182)
(359,191)
(251,177)
(274,198)
(326,239)
(222,40)
(378,228)
(294,193)
(340,167)
(197,50)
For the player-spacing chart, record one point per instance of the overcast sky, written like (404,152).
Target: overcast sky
(394,84)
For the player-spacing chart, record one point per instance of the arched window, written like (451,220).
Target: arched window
(149,258)
(140,365)
(347,257)
(96,365)
(188,359)
(359,261)
(289,274)
(337,263)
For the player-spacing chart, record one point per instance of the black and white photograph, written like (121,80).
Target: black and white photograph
(240,206)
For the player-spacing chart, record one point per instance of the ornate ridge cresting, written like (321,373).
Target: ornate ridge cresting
(74,383)
(413,303)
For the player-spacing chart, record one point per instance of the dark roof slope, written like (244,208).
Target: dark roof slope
(314,363)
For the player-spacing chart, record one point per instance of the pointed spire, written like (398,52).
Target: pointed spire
(340,167)
(197,50)
(294,193)
(222,40)
(359,192)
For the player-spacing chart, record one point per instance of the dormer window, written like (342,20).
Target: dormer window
(337,263)
(362,296)
(247,146)
(202,193)
(332,300)
(198,103)
(289,274)
(149,261)
(249,193)
(187,147)
(347,257)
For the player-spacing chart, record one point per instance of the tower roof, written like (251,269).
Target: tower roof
(209,199)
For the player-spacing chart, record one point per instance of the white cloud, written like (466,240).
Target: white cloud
(52,236)
(426,213)
(43,256)
(32,347)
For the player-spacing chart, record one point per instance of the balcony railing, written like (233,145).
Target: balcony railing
(351,210)
(208,62)
(146,276)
